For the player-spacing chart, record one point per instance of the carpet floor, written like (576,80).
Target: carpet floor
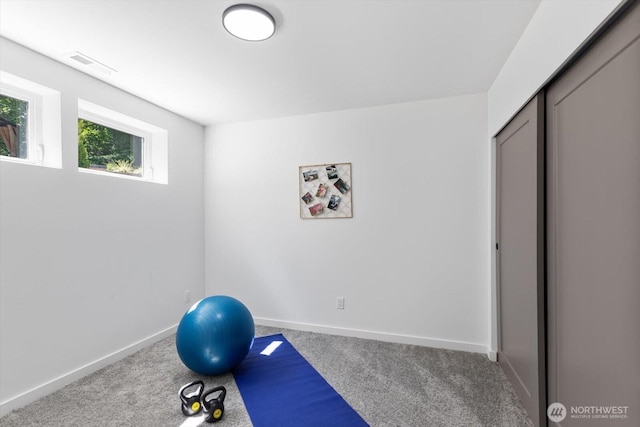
(387,384)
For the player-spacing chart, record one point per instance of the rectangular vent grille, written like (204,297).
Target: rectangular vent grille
(90,62)
(82,59)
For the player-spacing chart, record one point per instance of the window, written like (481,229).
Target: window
(28,112)
(103,149)
(114,144)
(14,122)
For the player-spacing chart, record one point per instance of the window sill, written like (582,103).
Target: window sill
(27,162)
(117,175)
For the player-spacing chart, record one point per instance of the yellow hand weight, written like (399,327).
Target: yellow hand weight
(190,395)
(213,403)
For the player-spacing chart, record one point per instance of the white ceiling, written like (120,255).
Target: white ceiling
(326,54)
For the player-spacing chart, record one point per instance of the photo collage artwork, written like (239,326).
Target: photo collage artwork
(325,191)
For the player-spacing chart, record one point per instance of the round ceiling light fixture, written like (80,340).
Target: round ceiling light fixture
(248,22)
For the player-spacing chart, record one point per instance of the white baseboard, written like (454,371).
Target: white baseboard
(380,336)
(56,384)
(47,388)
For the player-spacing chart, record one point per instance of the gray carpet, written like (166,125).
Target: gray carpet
(387,384)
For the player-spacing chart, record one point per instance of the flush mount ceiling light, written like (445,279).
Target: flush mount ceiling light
(248,22)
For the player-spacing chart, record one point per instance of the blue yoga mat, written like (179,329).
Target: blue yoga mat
(283,390)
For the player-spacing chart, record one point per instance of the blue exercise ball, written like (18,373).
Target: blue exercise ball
(215,335)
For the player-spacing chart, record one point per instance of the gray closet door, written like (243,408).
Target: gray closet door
(520,199)
(593,147)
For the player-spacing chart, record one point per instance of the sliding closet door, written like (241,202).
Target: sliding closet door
(520,182)
(593,146)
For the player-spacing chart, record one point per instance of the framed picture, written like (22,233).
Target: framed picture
(325,191)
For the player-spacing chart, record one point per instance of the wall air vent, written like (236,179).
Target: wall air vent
(90,63)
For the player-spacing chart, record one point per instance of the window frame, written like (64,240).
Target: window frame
(154,141)
(43,119)
(30,99)
(130,130)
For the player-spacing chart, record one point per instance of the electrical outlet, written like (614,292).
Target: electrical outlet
(187,296)
(340,303)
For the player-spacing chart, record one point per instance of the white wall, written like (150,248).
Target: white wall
(412,263)
(555,32)
(92,267)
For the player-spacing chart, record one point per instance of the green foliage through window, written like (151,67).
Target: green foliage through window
(13,119)
(107,149)
(83,155)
